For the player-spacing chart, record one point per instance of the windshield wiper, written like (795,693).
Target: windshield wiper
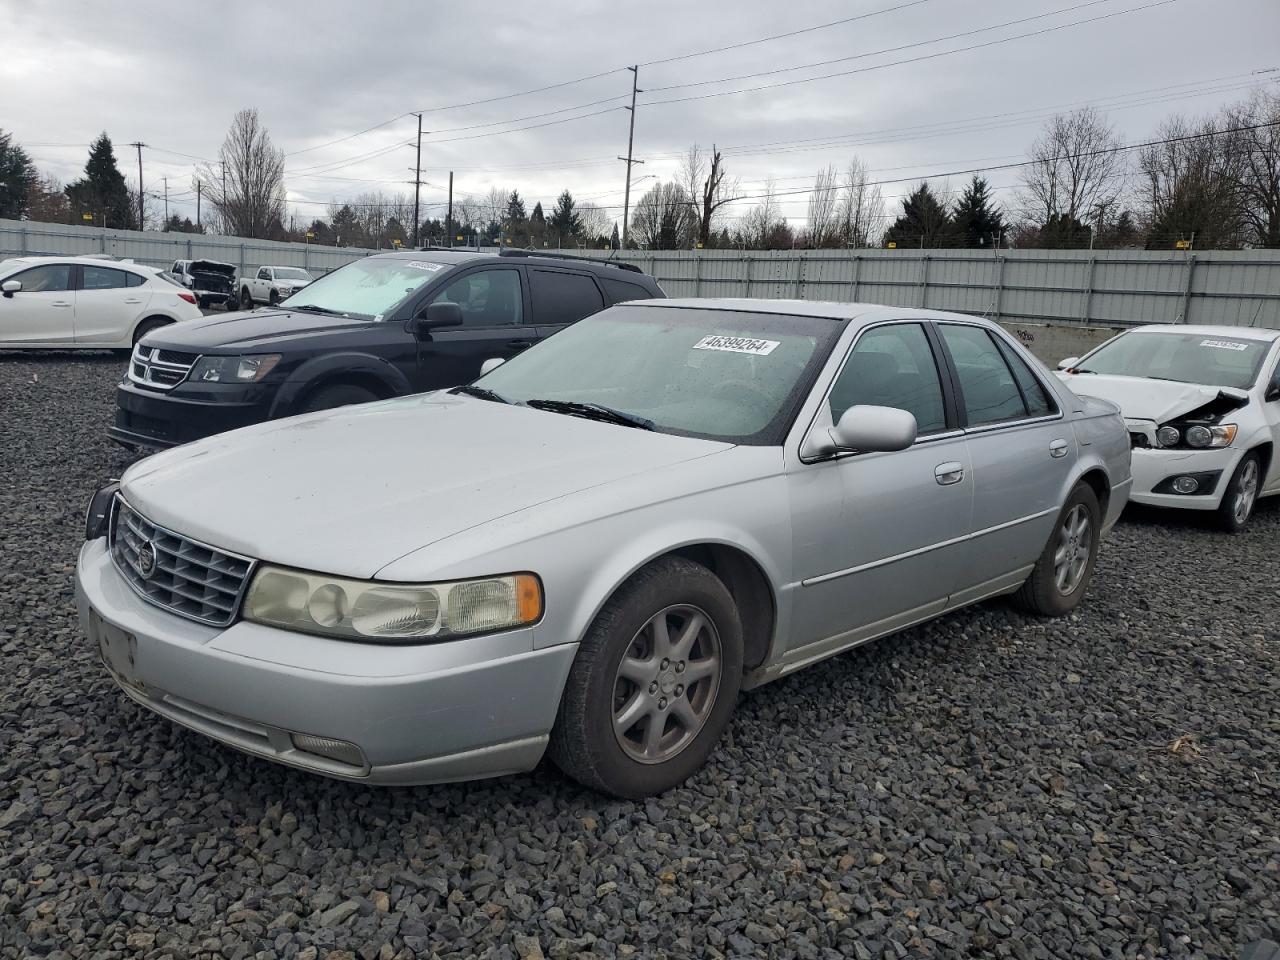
(484,393)
(313,308)
(591,411)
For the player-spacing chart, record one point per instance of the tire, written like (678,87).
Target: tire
(584,742)
(147,325)
(202,303)
(246,301)
(231,304)
(273,298)
(1049,592)
(337,395)
(1241,495)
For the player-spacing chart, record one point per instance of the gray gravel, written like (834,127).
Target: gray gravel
(986,786)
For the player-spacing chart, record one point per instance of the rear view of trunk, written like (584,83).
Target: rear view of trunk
(209,276)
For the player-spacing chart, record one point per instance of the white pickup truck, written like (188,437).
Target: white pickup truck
(271,285)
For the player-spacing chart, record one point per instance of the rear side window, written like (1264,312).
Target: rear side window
(620,291)
(48,278)
(563,297)
(1037,399)
(103,278)
(991,395)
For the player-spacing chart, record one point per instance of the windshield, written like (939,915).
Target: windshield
(721,375)
(292,273)
(1216,361)
(368,288)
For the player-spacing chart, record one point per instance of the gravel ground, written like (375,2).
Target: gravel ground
(985,786)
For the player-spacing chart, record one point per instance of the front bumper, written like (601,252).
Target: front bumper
(1151,467)
(152,418)
(432,713)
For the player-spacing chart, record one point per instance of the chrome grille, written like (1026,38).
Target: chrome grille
(161,369)
(177,573)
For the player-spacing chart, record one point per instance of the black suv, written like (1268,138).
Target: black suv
(386,325)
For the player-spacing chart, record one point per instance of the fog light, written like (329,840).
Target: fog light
(1186,485)
(339,750)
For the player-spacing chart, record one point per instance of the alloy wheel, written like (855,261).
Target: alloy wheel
(1075,543)
(1246,492)
(666,684)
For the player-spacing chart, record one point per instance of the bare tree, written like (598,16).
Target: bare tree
(664,219)
(709,190)
(1192,185)
(246,187)
(1075,167)
(862,212)
(1259,154)
(762,223)
(824,226)
(494,206)
(593,223)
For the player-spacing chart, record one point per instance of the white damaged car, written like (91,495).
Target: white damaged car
(1202,405)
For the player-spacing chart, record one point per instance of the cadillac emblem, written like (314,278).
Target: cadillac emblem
(146,560)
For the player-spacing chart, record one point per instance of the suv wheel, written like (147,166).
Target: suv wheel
(1061,576)
(654,682)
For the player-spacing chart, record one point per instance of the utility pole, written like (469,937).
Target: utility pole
(199,184)
(417,182)
(142,221)
(631,137)
(166,202)
(448,217)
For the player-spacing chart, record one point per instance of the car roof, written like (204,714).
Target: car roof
(615,269)
(1265,334)
(857,314)
(69,258)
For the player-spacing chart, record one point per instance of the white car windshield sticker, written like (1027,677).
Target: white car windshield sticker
(1224,344)
(760,348)
(424,265)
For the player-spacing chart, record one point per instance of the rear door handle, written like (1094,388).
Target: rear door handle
(520,344)
(133,300)
(1058,449)
(949,473)
(60,303)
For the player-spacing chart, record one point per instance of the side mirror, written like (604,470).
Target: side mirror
(434,317)
(874,429)
(10,287)
(493,363)
(1068,363)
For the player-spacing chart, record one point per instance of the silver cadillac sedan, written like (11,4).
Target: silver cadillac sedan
(592,549)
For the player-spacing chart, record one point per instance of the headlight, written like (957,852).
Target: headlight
(234,369)
(391,612)
(1168,436)
(1219,436)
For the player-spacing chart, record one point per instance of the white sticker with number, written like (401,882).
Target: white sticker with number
(1224,344)
(760,348)
(424,265)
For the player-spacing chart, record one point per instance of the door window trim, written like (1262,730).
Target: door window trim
(984,428)
(432,290)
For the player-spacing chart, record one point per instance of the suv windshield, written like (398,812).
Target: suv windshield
(1217,361)
(368,288)
(292,273)
(721,375)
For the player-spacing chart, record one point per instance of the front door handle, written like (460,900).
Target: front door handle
(1058,449)
(948,473)
(60,303)
(133,300)
(519,344)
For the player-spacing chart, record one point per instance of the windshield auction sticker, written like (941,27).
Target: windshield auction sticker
(761,348)
(1224,344)
(424,265)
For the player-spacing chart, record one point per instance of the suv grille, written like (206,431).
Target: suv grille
(161,369)
(174,572)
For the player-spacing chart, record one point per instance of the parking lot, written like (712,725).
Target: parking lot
(987,785)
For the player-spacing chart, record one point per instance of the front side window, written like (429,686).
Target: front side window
(563,297)
(264,273)
(990,393)
(1217,360)
(48,278)
(717,374)
(102,278)
(892,366)
(488,298)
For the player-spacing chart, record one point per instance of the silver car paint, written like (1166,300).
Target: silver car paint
(852,548)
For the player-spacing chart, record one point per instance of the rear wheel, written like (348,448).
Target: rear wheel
(147,325)
(1241,495)
(337,395)
(246,301)
(654,682)
(1061,576)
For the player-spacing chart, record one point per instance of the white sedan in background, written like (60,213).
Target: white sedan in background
(86,303)
(1202,405)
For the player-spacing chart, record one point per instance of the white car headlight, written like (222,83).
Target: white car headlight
(233,369)
(391,612)
(1217,436)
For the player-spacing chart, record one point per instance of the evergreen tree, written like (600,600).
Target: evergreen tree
(1064,232)
(537,227)
(565,220)
(345,224)
(978,222)
(17,179)
(321,231)
(176,224)
(102,191)
(924,222)
(614,242)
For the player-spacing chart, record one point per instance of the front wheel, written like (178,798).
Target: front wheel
(1241,495)
(246,301)
(654,682)
(1061,576)
(273,298)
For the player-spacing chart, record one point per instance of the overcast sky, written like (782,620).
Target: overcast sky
(173,75)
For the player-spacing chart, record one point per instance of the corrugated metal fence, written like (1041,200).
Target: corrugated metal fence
(1103,287)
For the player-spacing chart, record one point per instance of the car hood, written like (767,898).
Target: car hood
(1140,398)
(348,491)
(249,332)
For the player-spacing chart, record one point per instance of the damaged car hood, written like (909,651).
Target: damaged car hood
(1141,398)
